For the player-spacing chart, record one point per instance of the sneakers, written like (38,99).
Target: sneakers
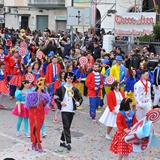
(79,107)
(3,106)
(18,134)
(63,144)
(93,119)
(69,147)
(27,135)
(44,135)
(108,137)
(11,97)
(98,111)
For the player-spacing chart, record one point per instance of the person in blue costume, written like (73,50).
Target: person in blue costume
(19,109)
(129,88)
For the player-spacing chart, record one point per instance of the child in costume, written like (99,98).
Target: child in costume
(3,84)
(35,102)
(18,73)
(37,72)
(125,120)
(59,82)
(19,109)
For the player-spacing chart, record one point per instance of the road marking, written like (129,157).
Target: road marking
(14,151)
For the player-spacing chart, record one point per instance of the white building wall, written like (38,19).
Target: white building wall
(121,7)
(13,20)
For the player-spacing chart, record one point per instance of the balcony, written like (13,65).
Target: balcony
(47,3)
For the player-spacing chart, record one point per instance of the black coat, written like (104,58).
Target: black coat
(49,48)
(96,53)
(59,95)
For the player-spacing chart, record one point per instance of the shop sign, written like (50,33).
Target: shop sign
(134,23)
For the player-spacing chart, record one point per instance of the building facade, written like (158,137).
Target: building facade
(41,14)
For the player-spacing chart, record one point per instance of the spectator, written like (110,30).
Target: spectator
(96,51)
(135,60)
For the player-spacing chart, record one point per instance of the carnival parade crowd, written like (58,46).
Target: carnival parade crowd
(46,71)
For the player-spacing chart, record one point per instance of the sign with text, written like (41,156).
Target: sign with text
(134,23)
(78,16)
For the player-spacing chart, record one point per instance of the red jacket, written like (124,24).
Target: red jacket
(49,72)
(90,83)
(12,69)
(111,99)
(56,85)
(121,122)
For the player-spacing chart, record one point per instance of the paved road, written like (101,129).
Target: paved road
(88,139)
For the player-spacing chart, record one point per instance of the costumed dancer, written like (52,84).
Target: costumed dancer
(5,59)
(3,85)
(37,72)
(156,86)
(94,83)
(129,88)
(142,94)
(51,75)
(18,69)
(118,71)
(59,82)
(105,71)
(35,102)
(67,98)
(19,109)
(114,98)
(29,76)
(125,120)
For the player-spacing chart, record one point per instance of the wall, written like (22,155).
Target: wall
(12,3)
(121,7)
(13,20)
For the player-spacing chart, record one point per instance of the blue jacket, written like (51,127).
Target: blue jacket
(130,82)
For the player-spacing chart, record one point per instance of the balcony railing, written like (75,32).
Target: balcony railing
(46,2)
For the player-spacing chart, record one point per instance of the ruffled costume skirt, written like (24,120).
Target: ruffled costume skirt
(3,88)
(16,80)
(118,145)
(24,111)
(108,118)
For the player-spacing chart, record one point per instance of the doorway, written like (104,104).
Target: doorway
(24,22)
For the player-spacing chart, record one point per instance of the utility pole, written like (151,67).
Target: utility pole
(71,32)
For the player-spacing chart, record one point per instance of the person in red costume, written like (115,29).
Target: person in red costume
(51,75)
(126,118)
(35,102)
(16,64)
(5,59)
(114,98)
(94,83)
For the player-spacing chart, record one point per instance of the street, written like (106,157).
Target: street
(88,139)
